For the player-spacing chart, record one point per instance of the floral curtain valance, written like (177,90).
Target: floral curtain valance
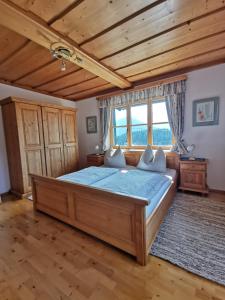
(141,96)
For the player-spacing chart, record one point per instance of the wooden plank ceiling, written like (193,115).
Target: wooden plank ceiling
(139,40)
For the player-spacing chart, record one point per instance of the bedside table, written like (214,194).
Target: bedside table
(193,176)
(95,160)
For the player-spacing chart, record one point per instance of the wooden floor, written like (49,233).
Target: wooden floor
(41,258)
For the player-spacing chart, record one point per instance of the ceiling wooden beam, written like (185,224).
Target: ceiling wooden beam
(179,74)
(73,78)
(15,51)
(90,92)
(217,55)
(45,64)
(124,20)
(64,12)
(151,24)
(16,19)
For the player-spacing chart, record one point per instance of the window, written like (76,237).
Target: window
(161,132)
(139,125)
(120,126)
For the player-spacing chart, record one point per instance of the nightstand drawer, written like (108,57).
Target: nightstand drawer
(95,160)
(193,180)
(94,164)
(194,166)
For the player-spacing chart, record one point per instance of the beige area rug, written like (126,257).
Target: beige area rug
(192,236)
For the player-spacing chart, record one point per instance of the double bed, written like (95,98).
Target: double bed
(123,207)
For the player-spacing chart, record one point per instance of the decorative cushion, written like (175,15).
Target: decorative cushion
(158,164)
(115,160)
(146,157)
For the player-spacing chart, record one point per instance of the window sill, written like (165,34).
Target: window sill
(141,148)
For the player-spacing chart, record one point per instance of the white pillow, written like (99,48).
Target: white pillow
(146,157)
(158,164)
(107,155)
(115,160)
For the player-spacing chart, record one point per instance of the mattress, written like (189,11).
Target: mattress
(128,181)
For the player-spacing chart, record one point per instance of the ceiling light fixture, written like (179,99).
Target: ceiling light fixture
(61,53)
(63,65)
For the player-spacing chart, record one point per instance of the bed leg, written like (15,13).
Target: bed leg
(140,232)
(142,259)
(33,185)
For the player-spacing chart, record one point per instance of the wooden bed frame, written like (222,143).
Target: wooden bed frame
(117,219)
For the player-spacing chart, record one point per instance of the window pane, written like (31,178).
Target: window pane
(139,114)
(159,113)
(119,117)
(120,136)
(139,135)
(161,134)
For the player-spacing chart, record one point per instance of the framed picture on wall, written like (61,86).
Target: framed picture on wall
(206,112)
(91,123)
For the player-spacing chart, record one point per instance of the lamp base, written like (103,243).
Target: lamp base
(192,158)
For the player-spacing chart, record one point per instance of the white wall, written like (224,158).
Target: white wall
(209,140)
(87,141)
(6,91)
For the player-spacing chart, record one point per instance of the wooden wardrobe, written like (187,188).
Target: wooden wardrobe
(40,138)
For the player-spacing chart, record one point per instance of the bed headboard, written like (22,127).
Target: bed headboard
(172,159)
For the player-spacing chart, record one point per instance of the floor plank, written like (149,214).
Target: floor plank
(42,258)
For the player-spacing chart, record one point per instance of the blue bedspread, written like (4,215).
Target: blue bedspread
(138,183)
(89,175)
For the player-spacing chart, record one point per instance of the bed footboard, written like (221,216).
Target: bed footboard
(114,218)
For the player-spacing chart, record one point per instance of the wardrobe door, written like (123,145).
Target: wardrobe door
(52,123)
(29,120)
(70,140)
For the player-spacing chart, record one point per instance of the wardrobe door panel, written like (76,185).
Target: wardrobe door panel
(33,159)
(31,141)
(70,140)
(52,121)
(31,124)
(71,160)
(56,162)
(69,126)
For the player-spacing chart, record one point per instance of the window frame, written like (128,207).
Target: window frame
(129,127)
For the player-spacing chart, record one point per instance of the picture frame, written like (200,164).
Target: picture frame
(205,112)
(91,124)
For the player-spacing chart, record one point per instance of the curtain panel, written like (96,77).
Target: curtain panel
(175,111)
(105,119)
(175,102)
